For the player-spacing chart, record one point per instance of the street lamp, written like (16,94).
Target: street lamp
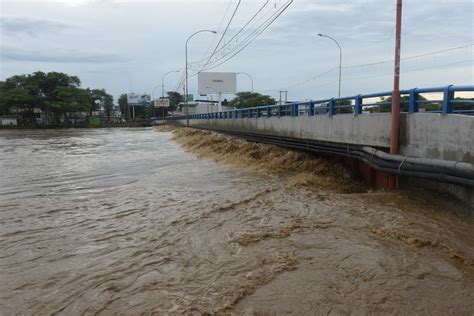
(251,79)
(163,82)
(186,72)
(340,59)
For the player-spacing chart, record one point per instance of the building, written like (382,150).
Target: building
(8,120)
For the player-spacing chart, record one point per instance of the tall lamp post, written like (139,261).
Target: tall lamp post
(163,82)
(340,59)
(250,77)
(186,72)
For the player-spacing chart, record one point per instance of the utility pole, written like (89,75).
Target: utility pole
(395,130)
(286,95)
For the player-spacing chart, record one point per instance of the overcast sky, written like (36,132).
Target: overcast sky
(126,46)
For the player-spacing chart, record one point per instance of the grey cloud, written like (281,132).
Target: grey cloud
(30,26)
(60,56)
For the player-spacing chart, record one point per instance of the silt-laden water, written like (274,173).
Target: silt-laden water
(132,221)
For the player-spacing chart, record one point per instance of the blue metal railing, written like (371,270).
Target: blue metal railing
(412,103)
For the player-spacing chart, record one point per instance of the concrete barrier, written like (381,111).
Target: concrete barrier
(426,135)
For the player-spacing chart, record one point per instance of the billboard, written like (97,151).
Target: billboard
(162,102)
(135,99)
(215,82)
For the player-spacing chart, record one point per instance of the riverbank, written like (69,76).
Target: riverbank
(111,125)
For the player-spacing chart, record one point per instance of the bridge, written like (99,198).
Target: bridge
(436,133)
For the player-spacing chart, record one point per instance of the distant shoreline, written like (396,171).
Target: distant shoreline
(21,127)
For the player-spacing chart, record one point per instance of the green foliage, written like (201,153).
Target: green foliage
(403,104)
(463,106)
(70,99)
(344,110)
(175,99)
(99,98)
(54,92)
(122,101)
(250,100)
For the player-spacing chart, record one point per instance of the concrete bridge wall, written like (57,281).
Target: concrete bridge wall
(427,135)
(431,135)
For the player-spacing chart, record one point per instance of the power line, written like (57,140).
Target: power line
(376,63)
(415,70)
(305,81)
(219,27)
(225,31)
(227,44)
(246,24)
(386,75)
(238,50)
(250,37)
(410,57)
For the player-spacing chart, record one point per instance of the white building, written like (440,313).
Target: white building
(8,120)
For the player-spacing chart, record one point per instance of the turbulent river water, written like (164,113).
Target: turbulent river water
(144,221)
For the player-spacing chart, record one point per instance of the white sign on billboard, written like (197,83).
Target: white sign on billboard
(162,102)
(217,82)
(135,99)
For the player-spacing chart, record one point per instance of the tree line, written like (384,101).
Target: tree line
(57,94)
(60,98)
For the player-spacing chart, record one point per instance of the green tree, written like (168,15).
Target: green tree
(403,104)
(56,93)
(45,87)
(108,105)
(70,100)
(149,111)
(99,98)
(250,100)
(123,104)
(344,110)
(18,92)
(175,99)
(3,107)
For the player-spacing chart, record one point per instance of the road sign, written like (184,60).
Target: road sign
(162,102)
(190,97)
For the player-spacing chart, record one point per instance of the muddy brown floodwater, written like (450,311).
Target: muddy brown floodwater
(144,221)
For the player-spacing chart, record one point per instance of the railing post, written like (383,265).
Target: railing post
(332,110)
(295,109)
(412,104)
(358,105)
(269,111)
(447,96)
(311,108)
(258,112)
(279,110)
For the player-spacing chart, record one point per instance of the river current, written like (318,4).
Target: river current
(144,221)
